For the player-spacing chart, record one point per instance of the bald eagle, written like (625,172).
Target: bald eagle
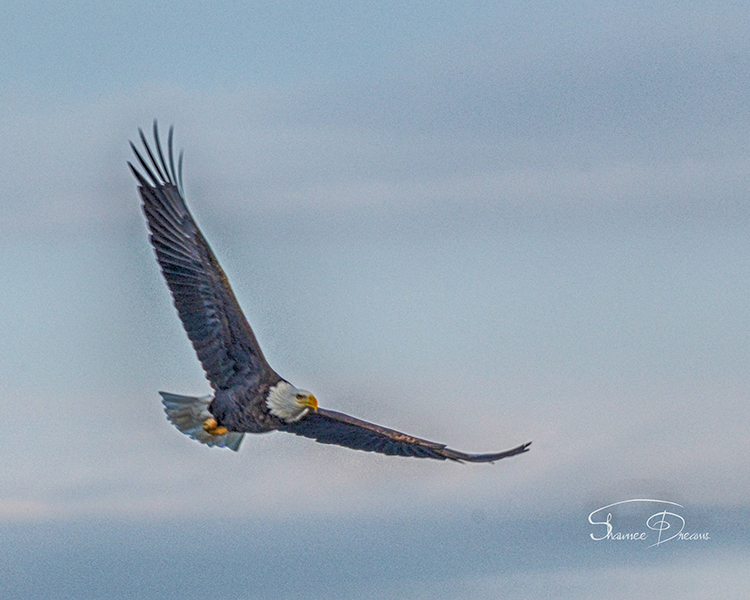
(248,395)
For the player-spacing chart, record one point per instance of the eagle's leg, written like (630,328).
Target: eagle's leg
(212,426)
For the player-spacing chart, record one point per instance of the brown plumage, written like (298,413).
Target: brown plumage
(249,396)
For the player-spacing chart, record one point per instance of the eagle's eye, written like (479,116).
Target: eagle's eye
(300,396)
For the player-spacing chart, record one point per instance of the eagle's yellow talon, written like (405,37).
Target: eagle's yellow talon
(212,426)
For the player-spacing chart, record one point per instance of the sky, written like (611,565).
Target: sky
(482,224)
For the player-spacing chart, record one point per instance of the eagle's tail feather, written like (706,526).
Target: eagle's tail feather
(188,414)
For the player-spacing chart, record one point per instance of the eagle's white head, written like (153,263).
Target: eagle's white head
(288,403)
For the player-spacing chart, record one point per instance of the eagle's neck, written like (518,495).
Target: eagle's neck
(282,402)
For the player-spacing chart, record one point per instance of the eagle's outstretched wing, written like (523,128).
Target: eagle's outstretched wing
(331,427)
(221,336)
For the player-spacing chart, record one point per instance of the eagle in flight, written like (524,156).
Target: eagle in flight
(248,395)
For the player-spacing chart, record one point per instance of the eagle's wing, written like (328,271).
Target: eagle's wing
(331,427)
(221,336)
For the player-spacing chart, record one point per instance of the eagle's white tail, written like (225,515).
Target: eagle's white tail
(188,414)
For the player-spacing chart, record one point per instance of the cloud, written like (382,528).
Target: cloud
(585,127)
(507,208)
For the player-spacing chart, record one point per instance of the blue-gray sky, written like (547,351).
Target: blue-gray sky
(481,224)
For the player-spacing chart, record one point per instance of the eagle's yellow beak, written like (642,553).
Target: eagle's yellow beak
(311,402)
